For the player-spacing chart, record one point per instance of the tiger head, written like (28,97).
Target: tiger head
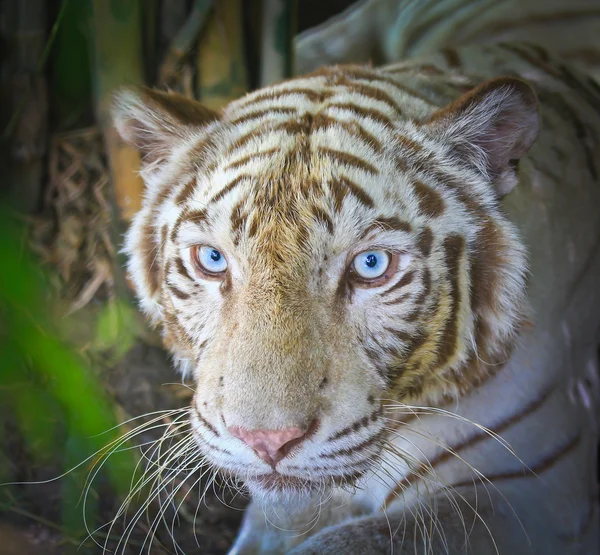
(321,246)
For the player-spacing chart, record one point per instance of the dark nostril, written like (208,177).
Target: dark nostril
(272,445)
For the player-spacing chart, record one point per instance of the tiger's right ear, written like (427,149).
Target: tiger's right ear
(491,128)
(154,121)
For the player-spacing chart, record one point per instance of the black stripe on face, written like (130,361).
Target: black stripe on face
(348,159)
(383,223)
(453,246)
(347,451)
(375,357)
(431,203)
(426,283)
(321,216)
(376,94)
(163,240)
(411,343)
(182,270)
(354,129)
(258,114)
(228,188)
(238,219)
(362,423)
(405,280)
(412,316)
(187,191)
(425,241)
(361,111)
(397,300)
(182,295)
(290,127)
(197,217)
(250,157)
(342,186)
(403,336)
(206,424)
(378,77)
(312,95)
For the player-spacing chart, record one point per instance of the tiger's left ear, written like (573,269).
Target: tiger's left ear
(491,127)
(155,122)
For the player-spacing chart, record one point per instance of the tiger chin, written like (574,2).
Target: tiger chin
(331,259)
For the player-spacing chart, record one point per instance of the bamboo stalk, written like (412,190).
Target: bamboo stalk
(70,79)
(117,61)
(26,108)
(278,30)
(150,31)
(252,16)
(222,73)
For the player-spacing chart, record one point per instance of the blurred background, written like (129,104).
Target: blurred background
(76,358)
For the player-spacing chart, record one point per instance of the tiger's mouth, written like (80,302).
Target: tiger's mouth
(275,482)
(278,482)
(340,458)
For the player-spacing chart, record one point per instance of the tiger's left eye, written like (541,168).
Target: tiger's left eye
(209,260)
(371,265)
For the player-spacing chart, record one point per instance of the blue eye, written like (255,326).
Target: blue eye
(371,264)
(209,260)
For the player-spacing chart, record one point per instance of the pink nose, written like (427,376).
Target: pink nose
(271,445)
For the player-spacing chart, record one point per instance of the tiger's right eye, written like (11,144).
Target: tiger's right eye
(374,267)
(209,261)
(371,264)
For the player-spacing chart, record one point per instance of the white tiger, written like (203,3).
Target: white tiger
(390,358)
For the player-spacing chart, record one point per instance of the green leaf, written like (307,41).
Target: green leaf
(38,416)
(116,328)
(72,496)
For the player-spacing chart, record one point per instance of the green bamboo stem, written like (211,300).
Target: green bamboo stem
(70,82)
(116,46)
(278,30)
(222,73)
(117,61)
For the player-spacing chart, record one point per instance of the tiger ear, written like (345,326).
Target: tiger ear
(491,127)
(154,121)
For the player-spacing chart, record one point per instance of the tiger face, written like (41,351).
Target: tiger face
(319,247)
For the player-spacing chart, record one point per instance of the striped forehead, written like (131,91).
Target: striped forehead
(347,115)
(289,196)
(313,154)
(302,128)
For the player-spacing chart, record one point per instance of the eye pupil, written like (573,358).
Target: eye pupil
(371,261)
(215,256)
